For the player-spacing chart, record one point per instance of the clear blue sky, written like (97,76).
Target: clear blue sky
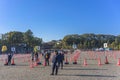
(53,19)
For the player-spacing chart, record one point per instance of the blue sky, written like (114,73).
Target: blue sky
(53,19)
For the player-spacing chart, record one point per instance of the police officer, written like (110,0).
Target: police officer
(60,59)
(9,58)
(55,63)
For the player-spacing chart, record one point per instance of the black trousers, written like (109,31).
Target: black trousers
(60,64)
(47,61)
(54,69)
(9,59)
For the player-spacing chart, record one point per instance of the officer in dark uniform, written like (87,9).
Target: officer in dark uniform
(60,59)
(55,63)
(9,58)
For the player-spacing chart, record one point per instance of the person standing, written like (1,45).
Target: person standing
(47,57)
(9,58)
(60,59)
(36,56)
(32,56)
(55,63)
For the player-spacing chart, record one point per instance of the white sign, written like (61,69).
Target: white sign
(13,49)
(74,46)
(105,45)
(38,47)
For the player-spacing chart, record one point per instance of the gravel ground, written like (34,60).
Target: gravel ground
(22,70)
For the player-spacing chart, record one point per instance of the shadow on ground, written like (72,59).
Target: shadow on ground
(84,75)
(82,69)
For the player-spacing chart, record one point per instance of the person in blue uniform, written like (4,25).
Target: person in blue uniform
(55,63)
(60,59)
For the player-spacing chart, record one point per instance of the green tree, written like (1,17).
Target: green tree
(15,38)
(28,37)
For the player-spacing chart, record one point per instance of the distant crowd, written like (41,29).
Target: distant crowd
(56,56)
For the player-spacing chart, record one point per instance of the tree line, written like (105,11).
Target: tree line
(83,41)
(90,41)
(26,40)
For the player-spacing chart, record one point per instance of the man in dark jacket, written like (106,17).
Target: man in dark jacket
(55,63)
(60,59)
(9,58)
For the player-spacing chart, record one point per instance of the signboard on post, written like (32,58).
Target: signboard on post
(105,45)
(4,48)
(13,49)
(38,47)
(74,46)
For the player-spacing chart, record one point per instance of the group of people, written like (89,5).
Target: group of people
(57,59)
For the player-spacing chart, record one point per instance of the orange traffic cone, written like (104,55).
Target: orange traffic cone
(13,63)
(106,60)
(39,62)
(118,62)
(31,65)
(85,62)
(6,62)
(66,60)
(35,64)
(99,62)
(44,64)
(75,61)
